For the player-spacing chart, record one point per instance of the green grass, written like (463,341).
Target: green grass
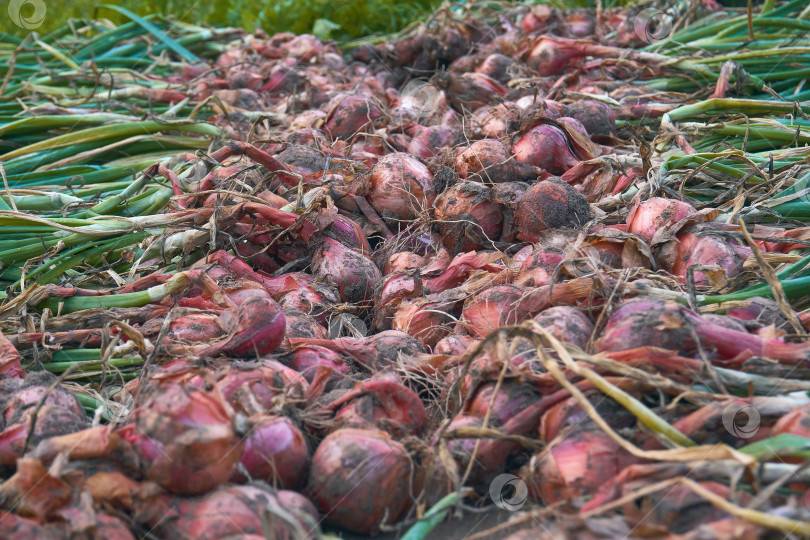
(341,19)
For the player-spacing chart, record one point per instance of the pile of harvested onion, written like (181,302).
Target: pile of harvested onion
(442,259)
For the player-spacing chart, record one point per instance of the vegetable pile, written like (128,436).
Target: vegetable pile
(265,287)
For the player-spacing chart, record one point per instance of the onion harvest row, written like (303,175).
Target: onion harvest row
(398,272)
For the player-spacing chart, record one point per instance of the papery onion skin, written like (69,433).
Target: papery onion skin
(230,511)
(393,289)
(759,311)
(360,479)
(579,23)
(498,306)
(257,386)
(574,124)
(380,403)
(187,438)
(574,466)
(796,422)
(454,344)
(469,91)
(402,262)
(656,213)
(510,400)
(354,274)
(680,510)
(276,451)
(551,55)
(401,187)
(302,325)
(497,66)
(468,218)
(257,327)
(545,146)
(489,161)
(550,204)
(351,115)
(538,268)
(567,324)
(490,457)
(61,413)
(309,301)
(705,251)
(374,352)
(669,325)
(432,141)
(426,321)
(307,358)
(598,118)
(15,527)
(349,233)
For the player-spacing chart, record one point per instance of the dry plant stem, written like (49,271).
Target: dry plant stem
(537,335)
(8,191)
(372,216)
(501,348)
(707,365)
(629,402)
(707,453)
(773,281)
(536,515)
(763,496)
(770,521)
(654,380)
(489,433)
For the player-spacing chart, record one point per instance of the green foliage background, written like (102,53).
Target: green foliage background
(336,19)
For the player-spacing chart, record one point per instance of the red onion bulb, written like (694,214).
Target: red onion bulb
(361,479)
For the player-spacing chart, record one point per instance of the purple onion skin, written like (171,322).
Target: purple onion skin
(306,360)
(276,452)
(567,324)
(258,327)
(361,478)
(354,274)
(545,146)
